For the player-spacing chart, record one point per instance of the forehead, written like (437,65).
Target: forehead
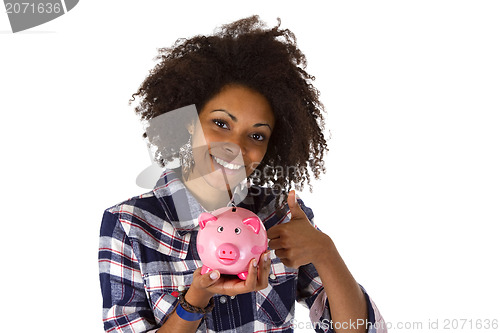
(242,102)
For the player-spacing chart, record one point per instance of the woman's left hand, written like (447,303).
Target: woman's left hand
(298,242)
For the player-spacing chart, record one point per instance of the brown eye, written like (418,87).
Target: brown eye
(258,137)
(220,123)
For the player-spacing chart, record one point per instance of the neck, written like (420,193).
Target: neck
(209,197)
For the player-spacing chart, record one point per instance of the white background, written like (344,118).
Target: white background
(411,197)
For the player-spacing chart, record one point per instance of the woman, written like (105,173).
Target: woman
(256,133)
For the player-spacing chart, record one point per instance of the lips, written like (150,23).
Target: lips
(225,164)
(229,169)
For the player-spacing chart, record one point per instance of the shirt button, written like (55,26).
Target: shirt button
(232,297)
(223,299)
(272,276)
(181,288)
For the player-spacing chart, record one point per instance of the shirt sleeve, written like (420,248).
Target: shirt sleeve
(125,304)
(310,293)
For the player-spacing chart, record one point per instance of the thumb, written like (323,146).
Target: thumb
(207,279)
(294,206)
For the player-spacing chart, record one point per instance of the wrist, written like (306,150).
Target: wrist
(326,253)
(197,297)
(190,312)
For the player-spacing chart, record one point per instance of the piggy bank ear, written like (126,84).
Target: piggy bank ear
(204,218)
(253,222)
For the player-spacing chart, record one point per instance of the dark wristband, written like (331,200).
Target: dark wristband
(190,312)
(186,315)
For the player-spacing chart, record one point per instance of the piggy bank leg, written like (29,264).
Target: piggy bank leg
(205,269)
(243,275)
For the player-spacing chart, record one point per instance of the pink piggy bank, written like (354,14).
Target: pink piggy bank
(229,238)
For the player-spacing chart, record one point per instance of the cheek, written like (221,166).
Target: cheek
(211,136)
(256,156)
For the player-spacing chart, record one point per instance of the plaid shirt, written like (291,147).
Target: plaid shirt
(148,253)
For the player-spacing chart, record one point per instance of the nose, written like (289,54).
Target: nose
(227,253)
(233,148)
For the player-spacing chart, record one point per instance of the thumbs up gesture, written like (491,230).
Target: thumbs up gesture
(297,242)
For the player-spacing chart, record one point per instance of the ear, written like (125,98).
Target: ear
(190,127)
(204,218)
(253,222)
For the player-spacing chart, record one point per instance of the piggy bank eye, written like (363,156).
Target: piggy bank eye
(220,228)
(237,231)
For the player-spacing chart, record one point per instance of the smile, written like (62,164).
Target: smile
(227,165)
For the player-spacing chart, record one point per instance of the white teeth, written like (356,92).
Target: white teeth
(227,165)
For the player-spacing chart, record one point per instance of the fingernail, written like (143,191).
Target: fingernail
(213,275)
(254,263)
(266,256)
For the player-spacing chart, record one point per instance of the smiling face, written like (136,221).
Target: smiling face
(237,124)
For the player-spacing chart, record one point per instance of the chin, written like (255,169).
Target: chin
(216,179)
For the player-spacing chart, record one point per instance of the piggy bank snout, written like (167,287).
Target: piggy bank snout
(228,253)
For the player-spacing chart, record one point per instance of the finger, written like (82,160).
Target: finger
(294,206)
(281,253)
(206,280)
(275,244)
(264,269)
(274,232)
(265,260)
(251,280)
(289,263)
(292,198)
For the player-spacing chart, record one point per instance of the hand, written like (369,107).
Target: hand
(206,285)
(297,242)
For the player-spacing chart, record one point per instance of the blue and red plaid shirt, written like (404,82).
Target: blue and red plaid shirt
(148,254)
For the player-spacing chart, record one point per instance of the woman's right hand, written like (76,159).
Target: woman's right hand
(206,285)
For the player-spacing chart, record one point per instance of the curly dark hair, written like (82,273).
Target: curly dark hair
(268,61)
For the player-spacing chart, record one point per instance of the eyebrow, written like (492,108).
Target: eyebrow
(233,118)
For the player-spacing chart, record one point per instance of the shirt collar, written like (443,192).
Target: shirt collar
(180,206)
